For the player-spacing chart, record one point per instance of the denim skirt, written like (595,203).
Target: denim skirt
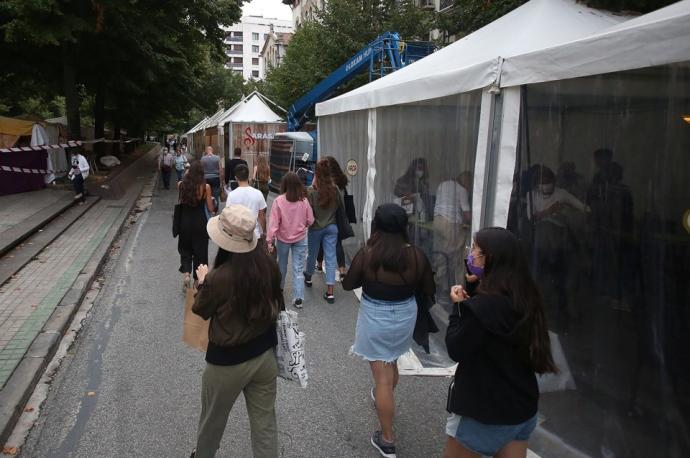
(384,328)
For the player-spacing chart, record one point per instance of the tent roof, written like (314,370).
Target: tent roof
(251,109)
(16,127)
(474,61)
(213,120)
(229,111)
(299,136)
(658,38)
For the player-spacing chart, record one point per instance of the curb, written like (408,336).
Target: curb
(17,236)
(42,239)
(20,385)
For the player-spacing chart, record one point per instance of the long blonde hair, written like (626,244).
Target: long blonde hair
(263,171)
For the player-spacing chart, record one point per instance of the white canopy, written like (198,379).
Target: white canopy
(475,61)
(250,109)
(658,38)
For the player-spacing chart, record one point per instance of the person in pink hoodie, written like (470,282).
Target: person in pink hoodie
(291,215)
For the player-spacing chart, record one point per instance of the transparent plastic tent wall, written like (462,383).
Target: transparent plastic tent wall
(612,256)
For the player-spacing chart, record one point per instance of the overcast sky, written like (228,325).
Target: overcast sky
(268,8)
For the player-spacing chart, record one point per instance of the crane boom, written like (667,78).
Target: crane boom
(383,51)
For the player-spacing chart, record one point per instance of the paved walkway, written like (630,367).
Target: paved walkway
(30,297)
(17,208)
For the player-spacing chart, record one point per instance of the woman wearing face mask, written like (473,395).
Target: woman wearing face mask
(558,220)
(500,339)
(546,200)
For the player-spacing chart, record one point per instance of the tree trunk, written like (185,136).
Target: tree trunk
(99,118)
(72,101)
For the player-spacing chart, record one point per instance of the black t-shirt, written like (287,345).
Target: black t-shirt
(494,382)
(230,168)
(417,276)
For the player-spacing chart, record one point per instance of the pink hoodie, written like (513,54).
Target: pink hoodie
(289,221)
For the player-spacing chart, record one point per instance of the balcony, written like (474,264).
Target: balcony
(233,39)
(232,52)
(234,65)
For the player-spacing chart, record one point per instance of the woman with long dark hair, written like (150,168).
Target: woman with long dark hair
(261,175)
(500,339)
(390,272)
(195,197)
(242,298)
(341,181)
(291,216)
(324,197)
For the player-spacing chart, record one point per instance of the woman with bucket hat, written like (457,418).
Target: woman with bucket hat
(242,297)
(390,271)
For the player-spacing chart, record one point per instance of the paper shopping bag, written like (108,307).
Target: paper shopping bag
(195,328)
(290,349)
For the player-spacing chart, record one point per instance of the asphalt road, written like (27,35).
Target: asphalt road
(129,387)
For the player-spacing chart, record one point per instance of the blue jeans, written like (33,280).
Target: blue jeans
(180,174)
(299,253)
(329,236)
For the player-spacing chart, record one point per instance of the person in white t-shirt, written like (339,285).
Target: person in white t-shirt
(452,217)
(78,173)
(249,197)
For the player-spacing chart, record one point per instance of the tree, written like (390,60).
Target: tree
(142,65)
(341,29)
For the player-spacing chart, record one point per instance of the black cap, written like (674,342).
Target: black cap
(390,218)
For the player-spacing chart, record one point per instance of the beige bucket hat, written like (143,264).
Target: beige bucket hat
(233,229)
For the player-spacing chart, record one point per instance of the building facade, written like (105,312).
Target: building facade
(244,41)
(274,49)
(304,10)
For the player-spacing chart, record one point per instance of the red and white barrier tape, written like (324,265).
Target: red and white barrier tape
(19,149)
(69,144)
(10,168)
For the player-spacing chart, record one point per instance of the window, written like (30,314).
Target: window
(237,34)
(255,48)
(255,61)
(237,60)
(255,36)
(265,36)
(237,48)
(255,73)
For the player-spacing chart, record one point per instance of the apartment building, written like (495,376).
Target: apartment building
(274,49)
(304,10)
(245,40)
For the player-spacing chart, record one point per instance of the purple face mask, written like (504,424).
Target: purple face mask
(474,270)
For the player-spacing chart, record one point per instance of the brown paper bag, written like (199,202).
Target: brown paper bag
(195,329)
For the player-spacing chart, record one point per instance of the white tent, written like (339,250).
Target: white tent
(554,101)
(252,108)
(475,61)
(472,63)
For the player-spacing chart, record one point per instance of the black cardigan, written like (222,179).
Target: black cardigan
(494,382)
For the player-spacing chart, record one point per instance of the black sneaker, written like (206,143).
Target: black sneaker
(297,303)
(385,449)
(307,280)
(193,454)
(330,298)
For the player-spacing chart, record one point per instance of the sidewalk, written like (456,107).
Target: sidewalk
(22,213)
(38,301)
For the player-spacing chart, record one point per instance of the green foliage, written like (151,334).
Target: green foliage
(150,63)
(342,28)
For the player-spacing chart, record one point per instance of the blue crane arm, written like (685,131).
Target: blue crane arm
(387,42)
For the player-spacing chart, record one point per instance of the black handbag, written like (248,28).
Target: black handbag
(344,229)
(177,220)
(450,399)
(350,207)
(177,217)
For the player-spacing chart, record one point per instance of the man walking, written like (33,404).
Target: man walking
(230,168)
(165,167)
(249,197)
(211,164)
